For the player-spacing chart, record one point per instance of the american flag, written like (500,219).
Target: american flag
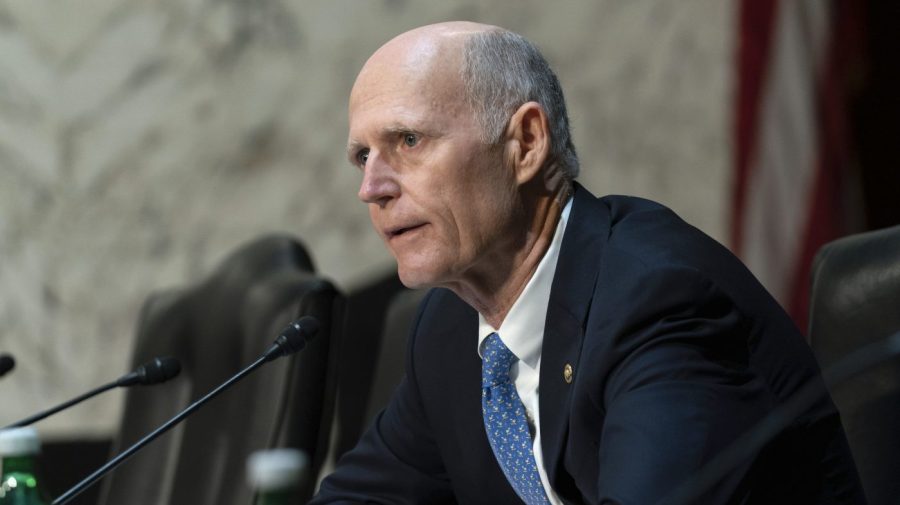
(792,150)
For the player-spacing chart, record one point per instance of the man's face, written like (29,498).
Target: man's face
(439,197)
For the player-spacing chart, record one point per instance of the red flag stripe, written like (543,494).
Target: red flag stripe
(826,218)
(756,20)
(780,144)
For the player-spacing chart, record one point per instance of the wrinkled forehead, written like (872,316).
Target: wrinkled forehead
(417,88)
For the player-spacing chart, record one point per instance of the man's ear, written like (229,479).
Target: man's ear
(528,141)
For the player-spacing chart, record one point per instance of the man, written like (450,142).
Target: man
(577,350)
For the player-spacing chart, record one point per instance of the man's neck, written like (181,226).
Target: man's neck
(493,291)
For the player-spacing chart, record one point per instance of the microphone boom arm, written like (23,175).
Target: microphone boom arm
(291,340)
(119,459)
(49,412)
(153,372)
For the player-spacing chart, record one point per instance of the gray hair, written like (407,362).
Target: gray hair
(501,71)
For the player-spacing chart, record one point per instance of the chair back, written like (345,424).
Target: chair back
(390,365)
(856,301)
(215,329)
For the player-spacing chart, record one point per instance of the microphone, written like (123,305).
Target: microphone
(155,371)
(293,338)
(290,340)
(7,363)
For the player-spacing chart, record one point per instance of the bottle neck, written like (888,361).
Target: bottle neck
(23,464)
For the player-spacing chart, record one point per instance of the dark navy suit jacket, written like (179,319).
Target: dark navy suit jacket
(676,351)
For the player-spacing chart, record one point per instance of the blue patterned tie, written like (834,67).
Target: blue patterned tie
(505,423)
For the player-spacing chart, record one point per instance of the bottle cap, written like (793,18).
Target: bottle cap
(275,469)
(19,442)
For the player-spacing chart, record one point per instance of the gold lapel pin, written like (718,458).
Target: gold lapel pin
(568,373)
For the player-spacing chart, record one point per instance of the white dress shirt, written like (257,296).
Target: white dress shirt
(522,331)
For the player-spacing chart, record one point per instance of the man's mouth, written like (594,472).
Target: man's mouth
(392,233)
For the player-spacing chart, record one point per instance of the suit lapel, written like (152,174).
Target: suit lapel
(570,299)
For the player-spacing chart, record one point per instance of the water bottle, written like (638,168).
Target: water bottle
(276,475)
(19,448)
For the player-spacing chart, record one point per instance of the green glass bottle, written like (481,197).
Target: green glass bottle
(276,475)
(19,448)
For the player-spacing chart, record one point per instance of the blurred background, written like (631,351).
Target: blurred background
(141,142)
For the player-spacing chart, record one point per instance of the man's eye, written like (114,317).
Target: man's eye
(410,139)
(362,157)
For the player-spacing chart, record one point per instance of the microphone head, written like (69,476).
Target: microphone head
(159,370)
(154,371)
(293,337)
(7,363)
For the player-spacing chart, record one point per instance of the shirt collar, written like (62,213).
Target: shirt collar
(522,331)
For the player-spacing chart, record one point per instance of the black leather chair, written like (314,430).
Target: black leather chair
(856,301)
(379,317)
(390,366)
(215,329)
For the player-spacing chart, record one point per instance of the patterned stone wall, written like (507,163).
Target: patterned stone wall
(142,141)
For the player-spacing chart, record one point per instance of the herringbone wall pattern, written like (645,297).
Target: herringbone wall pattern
(141,141)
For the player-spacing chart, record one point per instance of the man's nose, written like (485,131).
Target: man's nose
(379,184)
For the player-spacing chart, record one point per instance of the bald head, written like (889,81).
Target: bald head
(424,45)
(430,56)
(478,69)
